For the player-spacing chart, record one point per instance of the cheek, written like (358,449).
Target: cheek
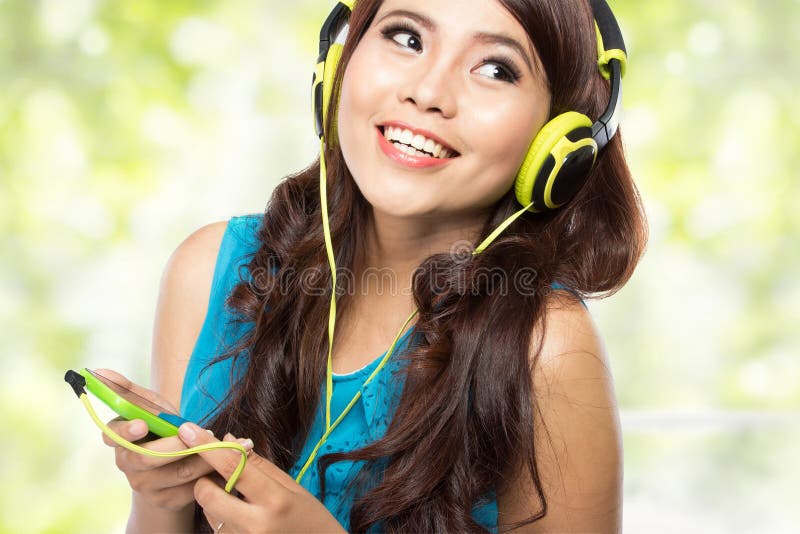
(515,125)
(502,156)
(349,100)
(357,103)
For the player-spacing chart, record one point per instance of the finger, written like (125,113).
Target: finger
(172,481)
(130,430)
(133,431)
(190,468)
(252,480)
(215,523)
(181,474)
(142,391)
(114,376)
(219,506)
(135,461)
(185,471)
(274,472)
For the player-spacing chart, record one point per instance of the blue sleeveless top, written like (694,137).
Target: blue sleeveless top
(367,421)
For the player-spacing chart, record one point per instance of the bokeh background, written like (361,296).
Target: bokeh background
(127,124)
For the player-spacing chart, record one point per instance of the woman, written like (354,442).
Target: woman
(499,410)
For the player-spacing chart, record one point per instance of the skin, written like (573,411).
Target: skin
(445,86)
(436,78)
(580,455)
(163,501)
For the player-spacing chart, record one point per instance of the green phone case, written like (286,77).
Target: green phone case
(127,409)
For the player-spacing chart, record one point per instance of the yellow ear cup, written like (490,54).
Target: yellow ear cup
(549,137)
(331,62)
(331,42)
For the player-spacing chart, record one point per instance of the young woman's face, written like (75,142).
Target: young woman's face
(456,78)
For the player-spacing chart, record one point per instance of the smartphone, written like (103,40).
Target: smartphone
(123,401)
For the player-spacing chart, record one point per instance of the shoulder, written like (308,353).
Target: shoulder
(192,263)
(568,337)
(182,303)
(191,266)
(578,442)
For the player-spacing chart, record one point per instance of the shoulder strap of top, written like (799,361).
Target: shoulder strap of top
(556,285)
(239,242)
(204,389)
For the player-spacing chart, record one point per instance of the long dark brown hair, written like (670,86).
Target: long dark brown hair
(472,364)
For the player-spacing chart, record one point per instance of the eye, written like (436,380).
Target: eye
(403,35)
(407,40)
(498,70)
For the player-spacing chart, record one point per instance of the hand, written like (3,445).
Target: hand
(166,483)
(272,500)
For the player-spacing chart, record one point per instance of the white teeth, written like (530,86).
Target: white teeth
(410,150)
(417,145)
(407,149)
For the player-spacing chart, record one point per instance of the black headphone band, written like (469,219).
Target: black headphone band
(330,29)
(603,130)
(608,25)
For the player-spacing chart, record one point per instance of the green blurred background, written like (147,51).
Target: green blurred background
(126,125)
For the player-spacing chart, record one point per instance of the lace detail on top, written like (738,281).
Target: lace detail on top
(204,389)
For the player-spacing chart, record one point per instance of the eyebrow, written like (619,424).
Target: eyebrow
(505,40)
(483,37)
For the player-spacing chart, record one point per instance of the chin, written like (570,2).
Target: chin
(399,206)
(392,198)
(397,209)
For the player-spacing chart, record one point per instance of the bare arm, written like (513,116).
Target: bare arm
(180,312)
(580,455)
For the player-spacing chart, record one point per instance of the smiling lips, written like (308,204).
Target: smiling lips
(413,148)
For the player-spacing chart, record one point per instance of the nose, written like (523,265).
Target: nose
(431,86)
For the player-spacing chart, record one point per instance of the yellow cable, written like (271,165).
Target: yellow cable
(323,193)
(194,450)
(352,401)
(486,242)
(329,374)
(332,317)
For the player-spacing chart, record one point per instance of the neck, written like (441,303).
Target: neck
(402,243)
(391,250)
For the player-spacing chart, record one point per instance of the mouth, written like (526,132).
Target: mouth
(416,143)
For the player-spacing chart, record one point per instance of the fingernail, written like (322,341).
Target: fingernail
(228,437)
(187,432)
(210,432)
(247,443)
(137,429)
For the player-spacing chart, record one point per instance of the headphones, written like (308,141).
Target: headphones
(555,167)
(563,152)
(557,163)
